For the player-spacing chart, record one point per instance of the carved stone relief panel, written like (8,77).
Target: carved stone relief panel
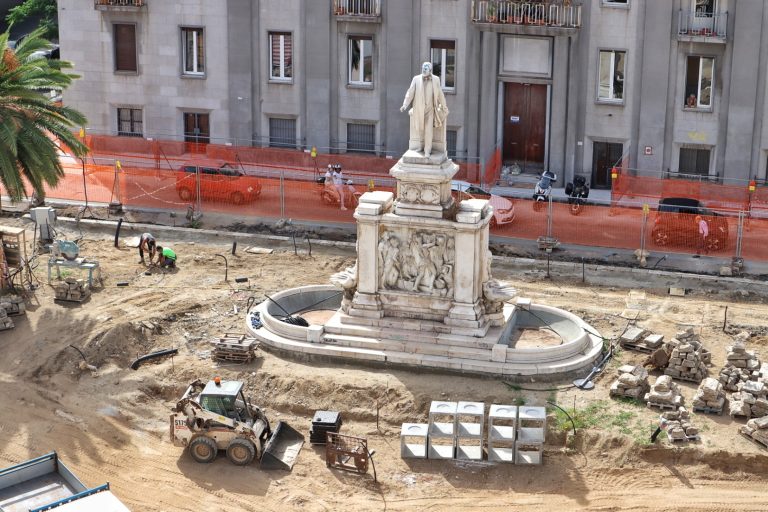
(420,261)
(419,193)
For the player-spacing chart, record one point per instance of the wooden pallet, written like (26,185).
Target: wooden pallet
(709,410)
(671,407)
(235,358)
(638,347)
(687,439)
(687,379)
(756,441)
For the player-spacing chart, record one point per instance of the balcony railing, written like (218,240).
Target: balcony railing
(357,8)
(117,4)
(545,14)
(702,25)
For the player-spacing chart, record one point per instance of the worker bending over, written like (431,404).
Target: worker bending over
(166,257)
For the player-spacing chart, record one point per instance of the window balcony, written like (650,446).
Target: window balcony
(357,10)
(538,14)
(702,27)
(119,5)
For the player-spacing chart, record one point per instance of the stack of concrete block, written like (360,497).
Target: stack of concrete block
(710,397)
(664,394)
(757,430)
(741,365)
(76,290)
(678,426)
(13,305)
(5,322)
(750,401)
(686,362)
(632,382)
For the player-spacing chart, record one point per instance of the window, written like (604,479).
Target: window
(698,82)
(125,48)
(704,8)
(197,128)
(615,2)
(282,132)
(129,122)
(361,137)
(192,51)
(694,161)
(450,142)
(443,54)
(281,52)
(361,60)
(611,80)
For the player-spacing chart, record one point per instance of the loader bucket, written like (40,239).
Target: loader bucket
(282,448)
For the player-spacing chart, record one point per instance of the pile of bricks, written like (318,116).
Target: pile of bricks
(688,360)
(75,290)
(741,365)
(632,382)
(757,430)
(679,427)
(710,397)
(749,401)
(5,322)
(12,304)
(664,394)
(234,347)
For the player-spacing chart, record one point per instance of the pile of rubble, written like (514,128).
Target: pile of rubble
(13,305)
(757,430)
(664,394)
(741,365)
(76,290)
(688,359)
(678,425)
(749,401)
(710,397)
(632,382)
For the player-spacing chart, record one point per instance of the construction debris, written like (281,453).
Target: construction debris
(664,394)
(757,430)
(234,347)
(741,365)
(710,397)
(688,359)
(750,401)
(13,305)
(5,322)
(679,427)
(74,290)
(632,382)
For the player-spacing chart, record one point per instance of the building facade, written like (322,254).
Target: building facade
(670,86)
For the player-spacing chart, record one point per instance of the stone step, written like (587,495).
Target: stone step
(411,347)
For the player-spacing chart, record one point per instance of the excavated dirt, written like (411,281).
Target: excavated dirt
(112,424)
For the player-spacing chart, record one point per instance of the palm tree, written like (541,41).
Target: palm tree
(33,128)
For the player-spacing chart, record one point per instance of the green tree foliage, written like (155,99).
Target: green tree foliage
(46,9)
(32,127)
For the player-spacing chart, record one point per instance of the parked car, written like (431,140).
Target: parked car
(503,209)
(219,181)
(675,224)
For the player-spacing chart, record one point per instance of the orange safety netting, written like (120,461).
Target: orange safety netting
(712,195)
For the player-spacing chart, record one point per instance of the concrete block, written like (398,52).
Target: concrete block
(314,333)
(677,292)
(499,353)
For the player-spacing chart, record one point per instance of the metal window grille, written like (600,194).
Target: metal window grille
(129,122)
(450,141)
(694,161)
(282,132)
(361,137)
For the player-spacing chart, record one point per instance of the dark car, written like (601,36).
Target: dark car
(219,181)
(675,224)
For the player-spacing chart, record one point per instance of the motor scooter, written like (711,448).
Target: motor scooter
(577,193)
(330,195)
(543,190)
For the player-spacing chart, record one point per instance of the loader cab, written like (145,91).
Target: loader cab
(226,399)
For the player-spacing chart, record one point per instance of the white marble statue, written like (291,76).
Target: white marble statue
(428,112)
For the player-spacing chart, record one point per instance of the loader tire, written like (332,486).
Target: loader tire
(203,449)
(241,452)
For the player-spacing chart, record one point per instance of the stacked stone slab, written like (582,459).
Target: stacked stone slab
(679,426)
(741,365)
(688,360)
(640,340)
(757,430)
(750,400)
(632,382)
(664,394)
(710,397)
(76,290)
(13,305)
(5,322)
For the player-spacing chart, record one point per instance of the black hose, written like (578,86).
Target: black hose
(81,353)
(160,353)
(553,404)
(117,231)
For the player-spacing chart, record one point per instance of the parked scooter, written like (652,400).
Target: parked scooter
(329,193)
(577,193)
(543,190)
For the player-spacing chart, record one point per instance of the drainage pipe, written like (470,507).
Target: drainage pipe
(160,353)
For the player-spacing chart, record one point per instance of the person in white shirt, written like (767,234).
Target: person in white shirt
(703,228)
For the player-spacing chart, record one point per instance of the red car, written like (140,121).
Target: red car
(219,181)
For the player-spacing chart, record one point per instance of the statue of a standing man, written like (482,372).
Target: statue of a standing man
(428,112)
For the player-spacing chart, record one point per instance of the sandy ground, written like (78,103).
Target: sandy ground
(112,424)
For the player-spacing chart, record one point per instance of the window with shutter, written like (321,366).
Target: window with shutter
(125,48)
(361,137)
(282,132)
(281,55)
(193,51)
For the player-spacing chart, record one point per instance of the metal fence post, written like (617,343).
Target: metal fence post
(549,217)
(643,227)
(740,234)
(282,194)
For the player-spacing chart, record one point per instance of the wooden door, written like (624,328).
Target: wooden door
(604,157)
(525,125)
